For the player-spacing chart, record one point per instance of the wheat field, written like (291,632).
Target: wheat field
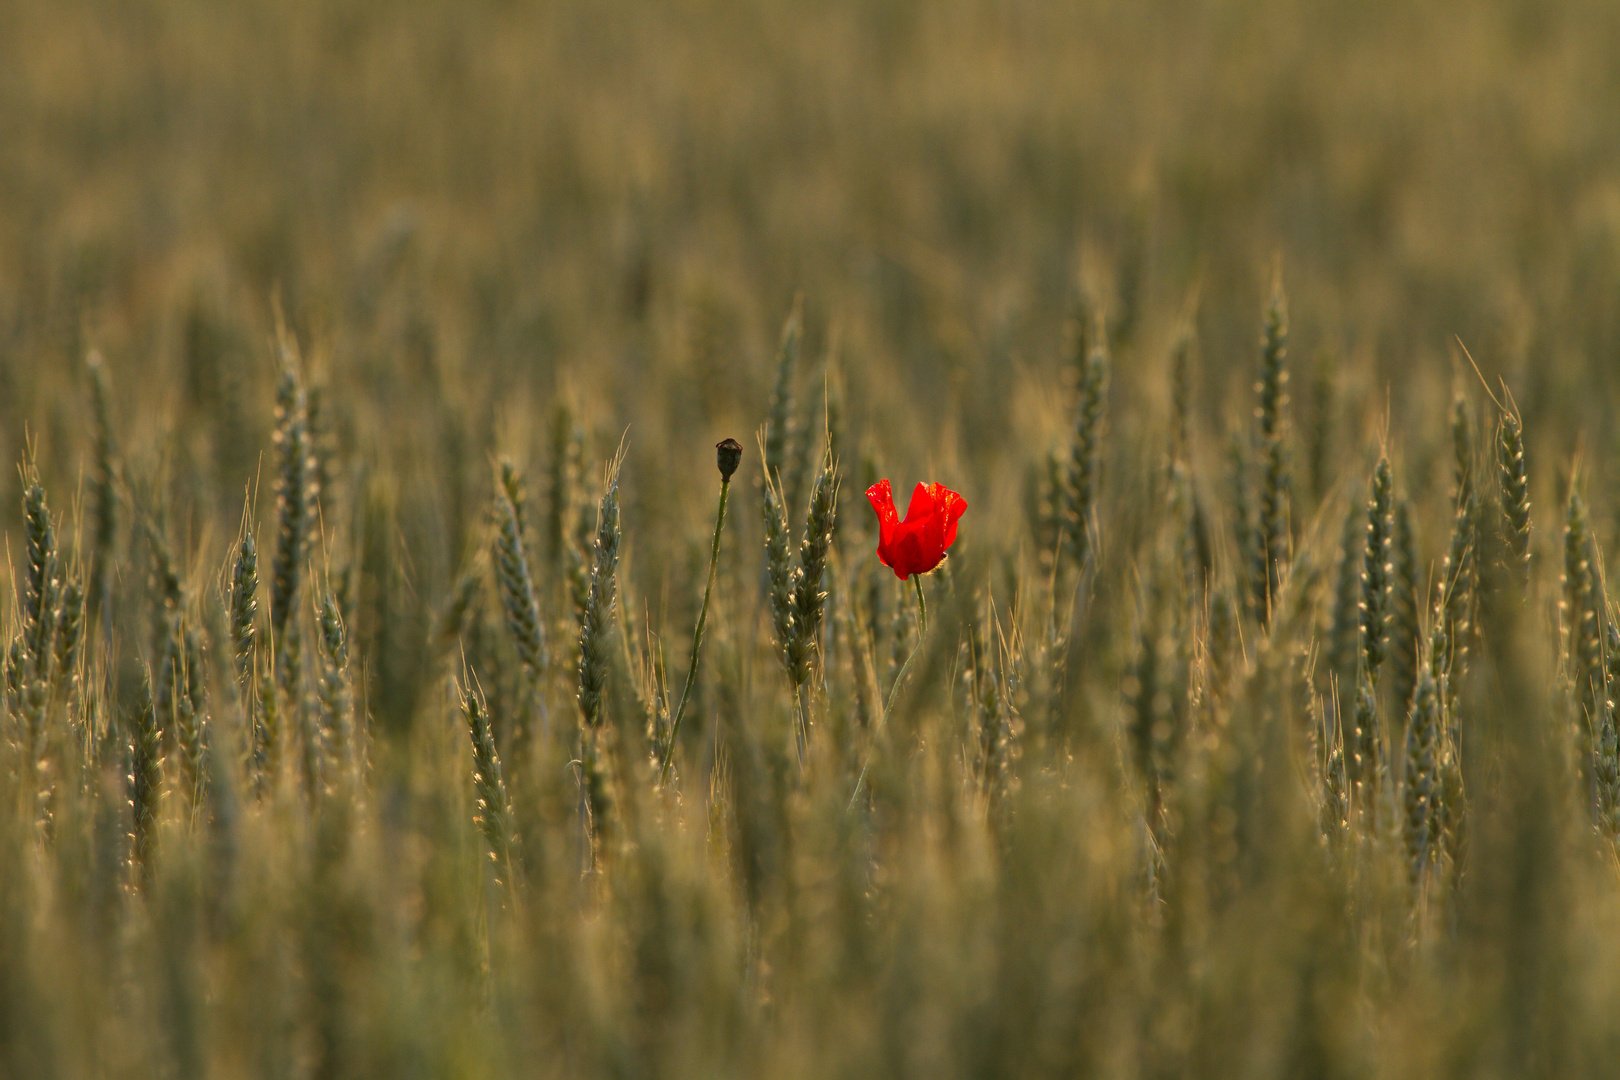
(399,681)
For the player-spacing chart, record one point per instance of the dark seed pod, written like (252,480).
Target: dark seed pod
(728,455)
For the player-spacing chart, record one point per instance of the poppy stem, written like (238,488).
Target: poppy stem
(697,636)
(899,680)
(922,632)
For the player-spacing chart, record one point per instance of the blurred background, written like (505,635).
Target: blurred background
(497,202)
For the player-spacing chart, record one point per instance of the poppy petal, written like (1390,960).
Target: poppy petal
(913,549)
(933,533)
(895,554)
(922,503)
(881,496)
(916,544)
(955,507)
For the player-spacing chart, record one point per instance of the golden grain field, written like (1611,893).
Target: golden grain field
(382,698)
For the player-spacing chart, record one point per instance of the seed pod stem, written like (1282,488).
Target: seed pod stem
(728,456)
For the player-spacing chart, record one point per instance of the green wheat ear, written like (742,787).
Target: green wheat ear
(1582,618)
(103,493)
(809,598)
(1419,788)
(1271,414)
(41,583)
(295,493)
(1582,629)
(336,693)
(244,609)
(267,736)
(1344,628)
(1404,605)
(145,778)
(1515,489)
(783,575)
(1366,764)
(519,601)
(594,661)
(513,575)
(493,810)
(191,721)
(1375,574)
(1080,490)
(597,624)
(1607,773)
(1458,586)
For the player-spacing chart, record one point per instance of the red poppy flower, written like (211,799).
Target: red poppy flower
(917,544)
